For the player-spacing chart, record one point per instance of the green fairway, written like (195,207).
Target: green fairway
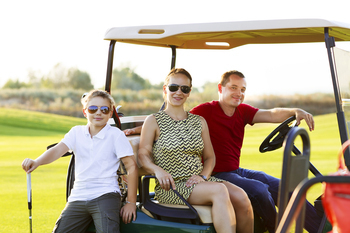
(325,144)
(26,134)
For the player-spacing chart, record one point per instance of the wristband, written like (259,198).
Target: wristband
(128,202)
(204,177)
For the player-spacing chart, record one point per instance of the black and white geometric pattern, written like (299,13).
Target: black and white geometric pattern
(178,151)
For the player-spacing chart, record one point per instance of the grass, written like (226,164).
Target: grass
(25,134)
(325,144)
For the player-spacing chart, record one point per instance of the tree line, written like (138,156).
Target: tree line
(60,91)
(60,77)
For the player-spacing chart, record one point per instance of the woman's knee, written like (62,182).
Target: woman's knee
(238,196)
(219,191)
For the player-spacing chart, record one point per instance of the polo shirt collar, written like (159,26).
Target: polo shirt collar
(100,134)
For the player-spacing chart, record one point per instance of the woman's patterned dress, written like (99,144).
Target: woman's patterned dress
(178,151)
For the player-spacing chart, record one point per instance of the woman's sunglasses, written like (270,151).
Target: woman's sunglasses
(93,109)
(174,87)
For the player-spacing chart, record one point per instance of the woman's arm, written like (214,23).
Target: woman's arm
(149,133)
(208,152)
(208,157)
(135,130)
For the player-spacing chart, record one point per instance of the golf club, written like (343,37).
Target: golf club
(29,196)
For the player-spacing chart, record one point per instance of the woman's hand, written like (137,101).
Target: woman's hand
(127,212)
(194,179)
(164,179)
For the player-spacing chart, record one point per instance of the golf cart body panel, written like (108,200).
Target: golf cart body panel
(145,224)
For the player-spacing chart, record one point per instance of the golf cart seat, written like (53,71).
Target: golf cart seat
(196,214)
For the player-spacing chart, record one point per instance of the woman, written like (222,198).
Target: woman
(172,146)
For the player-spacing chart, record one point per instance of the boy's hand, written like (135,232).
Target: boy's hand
(29,165)
(127,212)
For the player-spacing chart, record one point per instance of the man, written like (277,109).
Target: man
(226,120)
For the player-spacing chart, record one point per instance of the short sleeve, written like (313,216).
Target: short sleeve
(249,113)
(70,138)
(123,147)
(203,110)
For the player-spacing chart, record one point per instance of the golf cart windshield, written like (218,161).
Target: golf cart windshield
(342,65)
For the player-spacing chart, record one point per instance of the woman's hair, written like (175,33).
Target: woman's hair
(226,75)
(178,71)
(97,93)
(173,72)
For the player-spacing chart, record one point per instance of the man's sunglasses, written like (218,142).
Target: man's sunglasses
(174,87)
(93,109)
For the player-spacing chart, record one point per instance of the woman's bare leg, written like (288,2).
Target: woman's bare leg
(242,207)
(217,195)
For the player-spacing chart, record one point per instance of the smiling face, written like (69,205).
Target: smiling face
(98,119)
(177,98)
(232,94)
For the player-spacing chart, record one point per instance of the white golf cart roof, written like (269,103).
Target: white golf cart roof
(227,35)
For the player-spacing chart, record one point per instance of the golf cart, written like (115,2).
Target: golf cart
(154,217)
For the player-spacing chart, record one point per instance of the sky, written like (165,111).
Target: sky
(38,34)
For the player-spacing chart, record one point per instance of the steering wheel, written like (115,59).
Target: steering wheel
(273,142)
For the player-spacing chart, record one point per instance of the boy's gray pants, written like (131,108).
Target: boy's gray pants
(78,215)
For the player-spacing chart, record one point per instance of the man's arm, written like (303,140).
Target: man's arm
(135,130)
(278,115)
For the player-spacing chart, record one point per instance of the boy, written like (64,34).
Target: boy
(98,148)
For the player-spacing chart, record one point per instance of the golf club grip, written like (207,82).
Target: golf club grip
(29,190)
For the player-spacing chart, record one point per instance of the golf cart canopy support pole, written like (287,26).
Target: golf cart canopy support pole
(173,56)
(109,79)
(330,43)
(110,66)
(172,66)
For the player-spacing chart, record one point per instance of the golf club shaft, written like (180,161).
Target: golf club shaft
(29,191)
(30,221)
(29,196)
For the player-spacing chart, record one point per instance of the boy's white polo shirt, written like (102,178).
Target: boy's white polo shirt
(96,160)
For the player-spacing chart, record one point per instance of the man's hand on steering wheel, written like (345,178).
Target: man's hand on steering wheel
(301,114)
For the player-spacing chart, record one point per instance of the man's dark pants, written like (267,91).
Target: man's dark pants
(262,190)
